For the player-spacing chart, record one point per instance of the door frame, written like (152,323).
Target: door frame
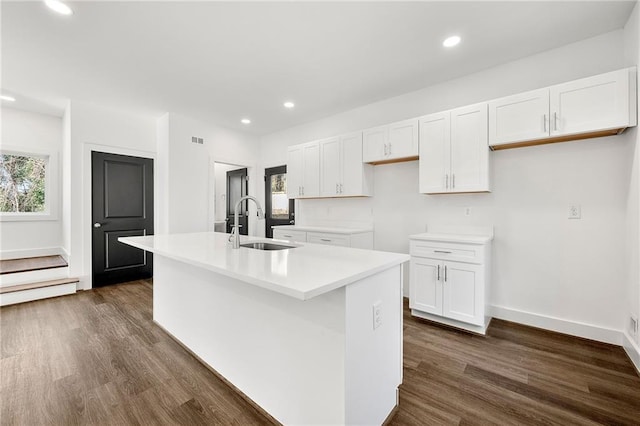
(267,200)
(252,172)
(85,257)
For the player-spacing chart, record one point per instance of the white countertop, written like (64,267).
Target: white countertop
(348,231)
(452,238)
(304,272)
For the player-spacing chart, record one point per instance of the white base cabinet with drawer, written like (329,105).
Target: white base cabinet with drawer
(449,279)
(355,238)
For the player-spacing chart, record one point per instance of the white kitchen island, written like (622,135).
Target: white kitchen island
(294,330)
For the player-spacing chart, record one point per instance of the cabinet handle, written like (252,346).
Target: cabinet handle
(453,180)
(555,121)
(445,273)
(287,236)
(544,123)
(337,189)
(442,251)
(446,181)
(438,279)
(303,190)
(385,149)
(325,239)
(389,148)
(341,191)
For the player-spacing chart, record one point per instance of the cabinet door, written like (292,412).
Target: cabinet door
(589,104)
(469,149)
(434,163)
(425,285)
(311,169)
(328,239)
(289,235)
(353,170)
(403,139)
(330,167)
(522,117)
(463,292)
(374,144)
(294,171)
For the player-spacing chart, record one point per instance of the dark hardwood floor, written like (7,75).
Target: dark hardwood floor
(97,358)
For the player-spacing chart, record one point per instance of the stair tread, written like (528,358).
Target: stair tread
(12,266)
(39,284)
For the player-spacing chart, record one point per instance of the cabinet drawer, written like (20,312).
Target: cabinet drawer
(290,235)
(447,251)
(328,239)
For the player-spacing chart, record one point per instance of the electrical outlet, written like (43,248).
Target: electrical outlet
(574,211)
(377,315)
(633,325)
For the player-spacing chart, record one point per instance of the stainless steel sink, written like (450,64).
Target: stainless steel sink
(266,246)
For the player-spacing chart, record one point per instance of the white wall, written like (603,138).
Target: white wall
(632,57)
(544,264)
(93,128)
(188,194)
(30,131)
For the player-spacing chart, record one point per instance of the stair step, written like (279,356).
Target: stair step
(41,284)
(8,280)
(10,295)
(27,264)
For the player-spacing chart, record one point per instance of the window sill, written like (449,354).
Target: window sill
(27,217)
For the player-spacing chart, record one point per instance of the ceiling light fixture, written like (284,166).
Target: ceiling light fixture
(451,41)
(7,98)
(289,104)
(245,121)
(58,6)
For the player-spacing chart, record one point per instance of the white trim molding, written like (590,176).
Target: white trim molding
(632,349)
(573,328)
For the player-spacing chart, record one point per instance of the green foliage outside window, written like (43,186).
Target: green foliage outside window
(22,184)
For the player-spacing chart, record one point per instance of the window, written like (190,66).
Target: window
(26,188)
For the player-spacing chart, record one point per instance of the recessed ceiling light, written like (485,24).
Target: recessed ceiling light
(451,41)
(245,121)
(289,104)
(7,98)
(58,6)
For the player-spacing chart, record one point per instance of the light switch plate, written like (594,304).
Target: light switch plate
(574,211)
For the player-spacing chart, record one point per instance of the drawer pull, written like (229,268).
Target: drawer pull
(442,251)
(325,239)
(438,279)
(287,236)
(445,273)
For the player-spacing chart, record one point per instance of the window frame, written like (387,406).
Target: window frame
(51,185)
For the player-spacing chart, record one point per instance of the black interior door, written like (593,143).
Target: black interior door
(237,187)
(279,210)
(122,206)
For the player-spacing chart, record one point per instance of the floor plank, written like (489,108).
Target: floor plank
(97,358)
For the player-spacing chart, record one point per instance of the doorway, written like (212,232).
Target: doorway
(230,183)
(122,206)
(237,187)
(279,210)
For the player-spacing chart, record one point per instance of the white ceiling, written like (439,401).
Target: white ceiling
(221,62)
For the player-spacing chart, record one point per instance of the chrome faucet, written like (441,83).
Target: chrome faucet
(236,217)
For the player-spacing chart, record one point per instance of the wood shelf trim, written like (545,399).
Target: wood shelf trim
(567,138)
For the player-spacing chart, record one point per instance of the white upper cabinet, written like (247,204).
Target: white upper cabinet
(521,117)
(330,167)
(390,143)
(303,170)
(454,155)
(601,105)
(590,104)
(357,177)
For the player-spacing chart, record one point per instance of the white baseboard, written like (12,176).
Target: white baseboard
(22,253)
(632,349)
(587,331)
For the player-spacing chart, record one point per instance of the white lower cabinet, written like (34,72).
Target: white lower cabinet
(449,281)
(356,239)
